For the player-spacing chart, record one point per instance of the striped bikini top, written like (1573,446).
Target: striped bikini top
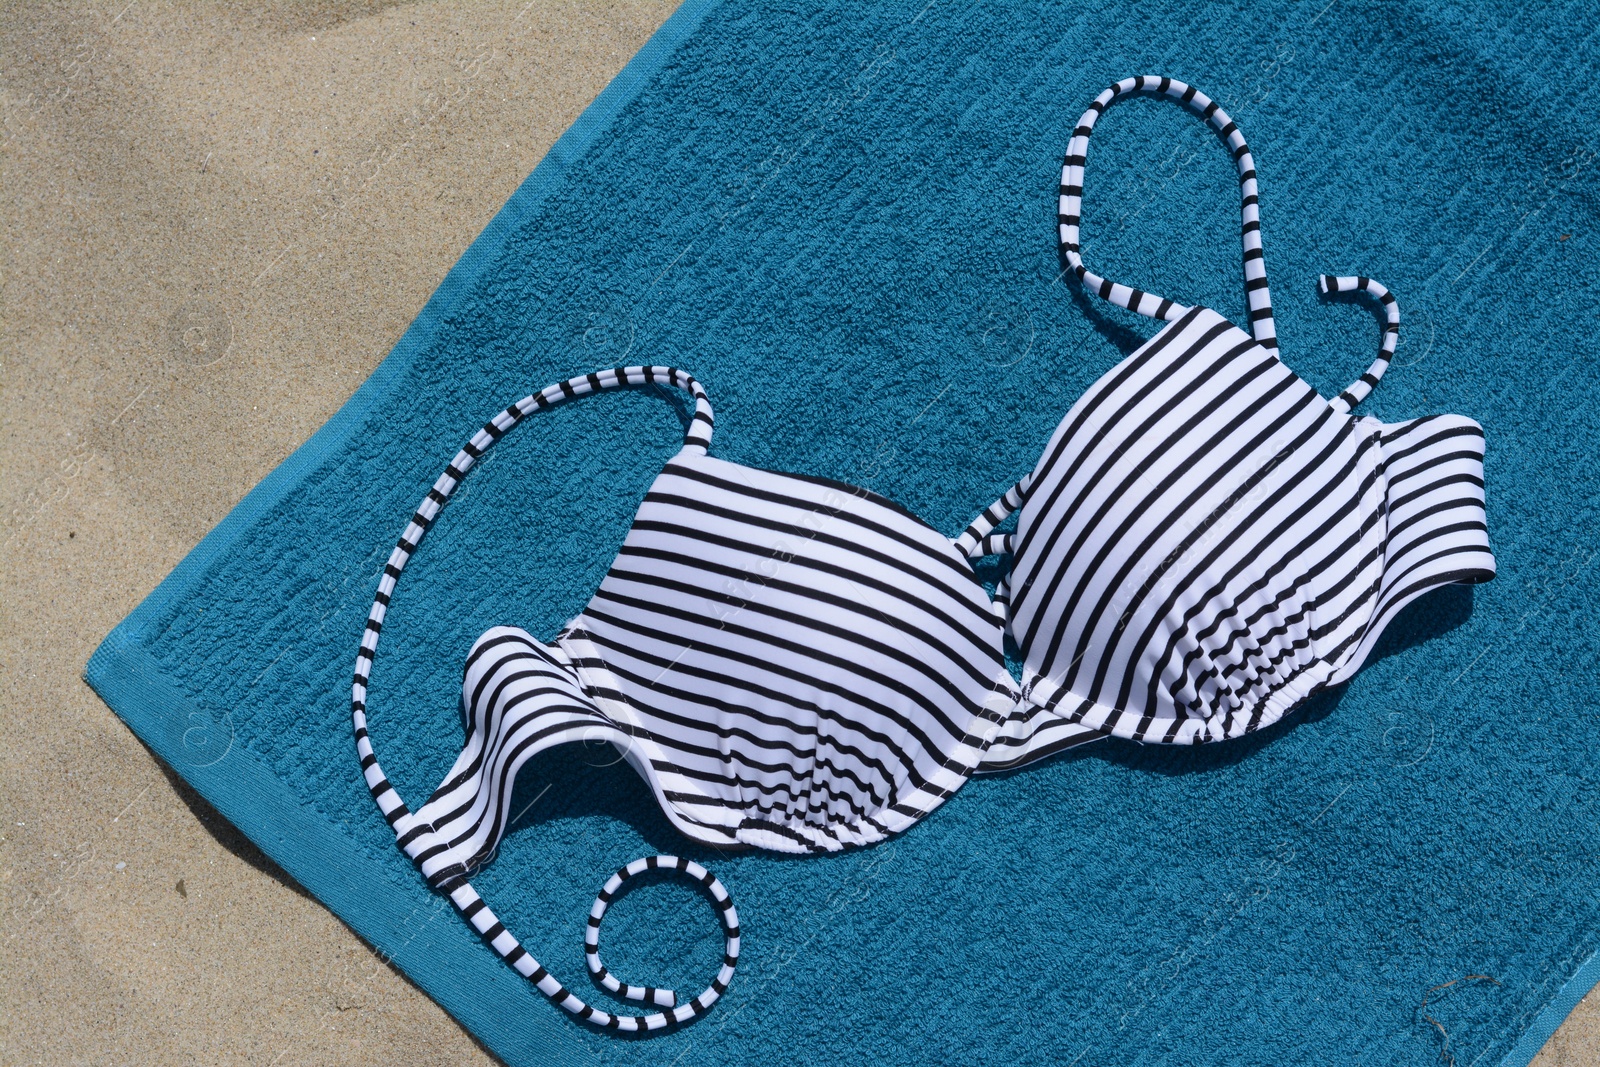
(800,665)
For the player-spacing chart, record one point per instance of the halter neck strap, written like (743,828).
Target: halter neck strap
(1362,386)
(420,841)
(1071,205)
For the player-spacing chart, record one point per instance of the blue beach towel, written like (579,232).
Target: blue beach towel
(840,218)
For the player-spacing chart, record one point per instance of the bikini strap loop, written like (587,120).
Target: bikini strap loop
(431,857)
(979,540)
(1362,386)
(418,838)
(1069,215)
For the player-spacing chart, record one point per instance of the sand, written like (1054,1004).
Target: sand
(217,220)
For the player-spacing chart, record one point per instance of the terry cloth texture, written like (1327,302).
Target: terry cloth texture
(841,219)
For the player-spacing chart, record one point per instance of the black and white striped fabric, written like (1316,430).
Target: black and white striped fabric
(790,663)
(1206,541)
(798,665)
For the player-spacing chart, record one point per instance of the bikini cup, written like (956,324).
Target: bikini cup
(799,665)
(1206,541)
(790,663)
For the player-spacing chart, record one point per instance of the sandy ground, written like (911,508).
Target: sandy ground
(216,221)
